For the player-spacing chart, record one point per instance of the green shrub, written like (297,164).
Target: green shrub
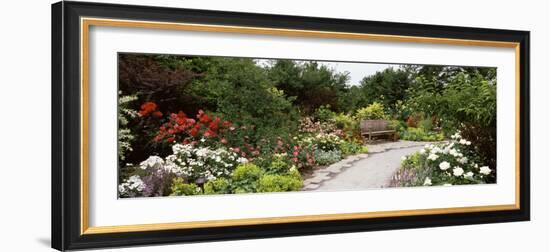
(372,112)
(217,186)
(419,134)
(348,124)
(278,165)
(179,188)
(350,148)
(245,178)
(327,157)
(426,124)
(324,114)
(279,183)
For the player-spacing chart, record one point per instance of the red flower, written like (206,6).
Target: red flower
(170,139)
(205,119)
(157,114)
(214,125)
(236,150)
(296,153)
(182,115)
(193,131)
(223,141)
(147,108)
(209,133)
(186,141)
(227,124)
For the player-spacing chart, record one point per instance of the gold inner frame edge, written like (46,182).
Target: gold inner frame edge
(85,24)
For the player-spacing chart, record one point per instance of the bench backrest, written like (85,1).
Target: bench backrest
(374,125)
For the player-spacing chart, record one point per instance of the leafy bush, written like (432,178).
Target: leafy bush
(279,183)
(350,148)
(324,114)
(372,112)
(327,157)
(217,186)
(279,165)
(179,188)
(245,178)
(465,101)
(348,125)
(419,134)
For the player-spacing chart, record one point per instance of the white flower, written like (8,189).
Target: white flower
(432,156)
(463,160)
(453,152)
(462,141)
(422,151)
(154,162)
(456,136)
(457,171)
(444,165)
(203,140)
(468,142)
(447,184)
(242,160)
(469,174)
(427,182)
(485,170)
(403,158)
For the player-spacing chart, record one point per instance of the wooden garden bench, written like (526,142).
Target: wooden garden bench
(370,128)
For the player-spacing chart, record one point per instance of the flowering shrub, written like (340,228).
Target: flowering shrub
(325,142)
(202,162)
(132,187)
(452,163)
(327,157)
(206,131)
(309,125)
(149,108)
(125,136)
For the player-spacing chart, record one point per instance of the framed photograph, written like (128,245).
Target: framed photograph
(181,125)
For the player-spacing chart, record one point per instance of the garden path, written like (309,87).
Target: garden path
(364,171)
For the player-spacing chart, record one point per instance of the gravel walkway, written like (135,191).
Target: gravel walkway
(363,171)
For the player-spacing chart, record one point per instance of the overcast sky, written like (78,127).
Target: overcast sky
(357,71)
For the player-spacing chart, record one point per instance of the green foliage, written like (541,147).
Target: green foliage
(179,188)
(245,178)
(279,165)
(419,134)
(350,148)
(372,112)
(386,87)
(217,186)
(310,83)
(324,114)
(241,91)
(327,157)
(348,124)
(465,101)
(279,183)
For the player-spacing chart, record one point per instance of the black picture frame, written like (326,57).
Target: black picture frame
(66,124)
